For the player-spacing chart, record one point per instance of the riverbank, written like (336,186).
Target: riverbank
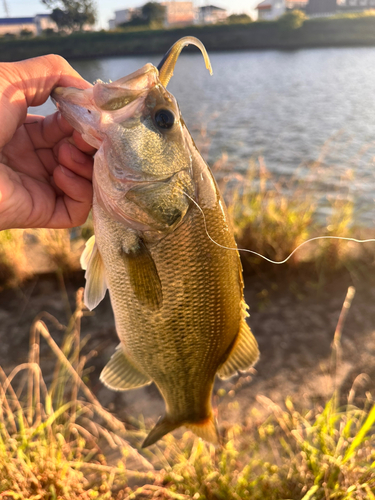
(268,418)
(322,32)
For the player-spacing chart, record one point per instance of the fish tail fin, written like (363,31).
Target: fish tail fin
(162,427)
(205,429)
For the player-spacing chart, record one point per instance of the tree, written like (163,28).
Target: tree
(292,20)
(153,13)
(239,18)
(72,14)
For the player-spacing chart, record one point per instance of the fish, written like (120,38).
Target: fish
(160,225)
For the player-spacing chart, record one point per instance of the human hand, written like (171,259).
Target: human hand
(45,166)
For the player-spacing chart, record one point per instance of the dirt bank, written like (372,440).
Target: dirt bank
(294,324)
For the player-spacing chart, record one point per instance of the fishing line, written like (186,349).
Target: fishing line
(266,258)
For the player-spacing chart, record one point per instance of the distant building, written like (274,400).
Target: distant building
(44,22)
(296,4)
(36,24)
(176,14)
(317,8)
(356,5)
(209,14)
(123,16)
(269,10)
(179,13)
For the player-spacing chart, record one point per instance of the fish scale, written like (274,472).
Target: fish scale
(208,336)
(163,248)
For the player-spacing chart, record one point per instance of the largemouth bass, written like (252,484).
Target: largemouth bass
(177,296)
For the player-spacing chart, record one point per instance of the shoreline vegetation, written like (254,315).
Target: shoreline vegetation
(343,30)
(58,442)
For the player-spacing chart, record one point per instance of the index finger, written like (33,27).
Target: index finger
(29,83)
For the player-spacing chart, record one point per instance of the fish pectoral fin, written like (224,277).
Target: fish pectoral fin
(244,352)
(205,429)
(96,284)
(143,276)
(162,427)
(122,373)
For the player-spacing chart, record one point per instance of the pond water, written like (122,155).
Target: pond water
(294,108)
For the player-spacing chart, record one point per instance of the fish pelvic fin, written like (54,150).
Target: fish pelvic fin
(205,429)
(162,427)
(121,373)
(96,284)
(244,353)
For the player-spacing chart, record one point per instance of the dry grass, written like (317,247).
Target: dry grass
(13,262)
(56,441)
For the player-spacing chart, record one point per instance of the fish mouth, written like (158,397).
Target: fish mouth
(88,110)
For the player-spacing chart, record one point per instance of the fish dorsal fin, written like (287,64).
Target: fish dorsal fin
(244,352)
(143,275)
(122,373)
(96,284)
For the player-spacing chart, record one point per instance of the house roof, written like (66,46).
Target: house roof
(210,7)
(16,20)
(265,5)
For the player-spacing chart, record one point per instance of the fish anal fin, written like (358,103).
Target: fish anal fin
(121,373)
(143,276)
(205,429)
(162,427)
(244,352)
(96,284)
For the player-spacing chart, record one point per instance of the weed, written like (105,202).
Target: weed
(13,262)
(54,442)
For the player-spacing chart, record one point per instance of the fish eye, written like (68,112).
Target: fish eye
(164,118)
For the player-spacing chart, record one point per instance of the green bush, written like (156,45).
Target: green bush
(239,19)
(292,20)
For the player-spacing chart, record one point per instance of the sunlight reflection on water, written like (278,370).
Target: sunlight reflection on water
(282,105)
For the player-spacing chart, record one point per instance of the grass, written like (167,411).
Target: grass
(270,215)
(13,262)
(56,440)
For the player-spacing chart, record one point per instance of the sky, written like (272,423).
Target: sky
(28,8)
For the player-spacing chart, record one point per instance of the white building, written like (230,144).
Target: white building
(123,16)
(35,25)
(269,10)
(209,14)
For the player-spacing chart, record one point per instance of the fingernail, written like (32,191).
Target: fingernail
(67,172)
(77,155)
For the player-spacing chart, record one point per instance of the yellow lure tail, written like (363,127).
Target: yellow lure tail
(168,62)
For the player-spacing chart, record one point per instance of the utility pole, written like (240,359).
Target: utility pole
(6,8)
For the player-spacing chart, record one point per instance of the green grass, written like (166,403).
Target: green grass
(56,440)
